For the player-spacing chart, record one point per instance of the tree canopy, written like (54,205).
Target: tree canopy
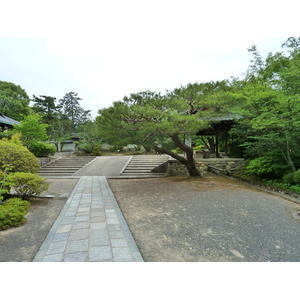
(162,122)
(14,101)
(267,98)
(71,110)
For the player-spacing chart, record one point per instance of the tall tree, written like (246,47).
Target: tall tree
(70,107)
(271,108)
(46,107)
(153,120)
(32,129)
(14,101)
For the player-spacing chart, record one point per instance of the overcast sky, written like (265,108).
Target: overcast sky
(104,50)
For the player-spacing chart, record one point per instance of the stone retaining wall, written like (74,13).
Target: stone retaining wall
(223,165)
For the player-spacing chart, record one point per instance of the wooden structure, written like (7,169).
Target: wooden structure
(6,122)
(219,125)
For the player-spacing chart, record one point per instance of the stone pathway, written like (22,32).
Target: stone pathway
(90,228)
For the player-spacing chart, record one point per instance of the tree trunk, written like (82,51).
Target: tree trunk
(189,161)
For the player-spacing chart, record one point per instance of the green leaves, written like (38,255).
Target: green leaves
(32,130)
(14,101)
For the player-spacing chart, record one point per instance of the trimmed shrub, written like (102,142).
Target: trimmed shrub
(17,158)
(12,213)
(41,149)
(27,185)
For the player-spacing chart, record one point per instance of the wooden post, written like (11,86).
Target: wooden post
(217,146)
(226,142)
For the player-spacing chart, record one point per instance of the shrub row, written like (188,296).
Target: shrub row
(41,149)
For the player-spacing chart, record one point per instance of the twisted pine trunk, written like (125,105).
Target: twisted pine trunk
(189,161)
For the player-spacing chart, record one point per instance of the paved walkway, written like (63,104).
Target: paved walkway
(90,228)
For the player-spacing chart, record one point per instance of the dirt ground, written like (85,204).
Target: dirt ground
(178,219)
(20,244)
(208,219)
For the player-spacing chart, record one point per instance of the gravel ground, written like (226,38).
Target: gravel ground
(208,219)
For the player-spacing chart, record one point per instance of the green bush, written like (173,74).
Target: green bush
(17,158)
(260,167)
(12,212)
(289,178)
(27,185)
(97,150)
(297,176)
(4,185)
(41,149)
(85,148)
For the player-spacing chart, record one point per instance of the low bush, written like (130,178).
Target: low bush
(296,177)
(4,185)
(85,148)
(97,150)
(41,149)
(17,158)
(12,213)
(27,185)
(260,167)
(289,178)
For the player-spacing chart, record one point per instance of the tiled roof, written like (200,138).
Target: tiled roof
(7,121)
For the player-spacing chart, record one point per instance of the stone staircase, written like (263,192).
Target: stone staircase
(65,166)
(140,166)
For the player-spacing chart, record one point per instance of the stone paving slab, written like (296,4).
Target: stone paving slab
(90,228)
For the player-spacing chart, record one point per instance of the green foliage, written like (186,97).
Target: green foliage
(41,149)
(14,101)
(4,184)
(72,111)
(270,105)
(162,122)
(12,213)
(16,139)
(27,184)
(17,158)
(260,167)
(32,130)
(97,150)
(90,140)
(296,177)
(289,179)
(294,188)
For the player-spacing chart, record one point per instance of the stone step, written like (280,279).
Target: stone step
(65,166)
(57,171)
(55,174)
(135,176)
(60,167)
(141,166)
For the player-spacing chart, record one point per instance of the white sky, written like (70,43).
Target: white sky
(104,50)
